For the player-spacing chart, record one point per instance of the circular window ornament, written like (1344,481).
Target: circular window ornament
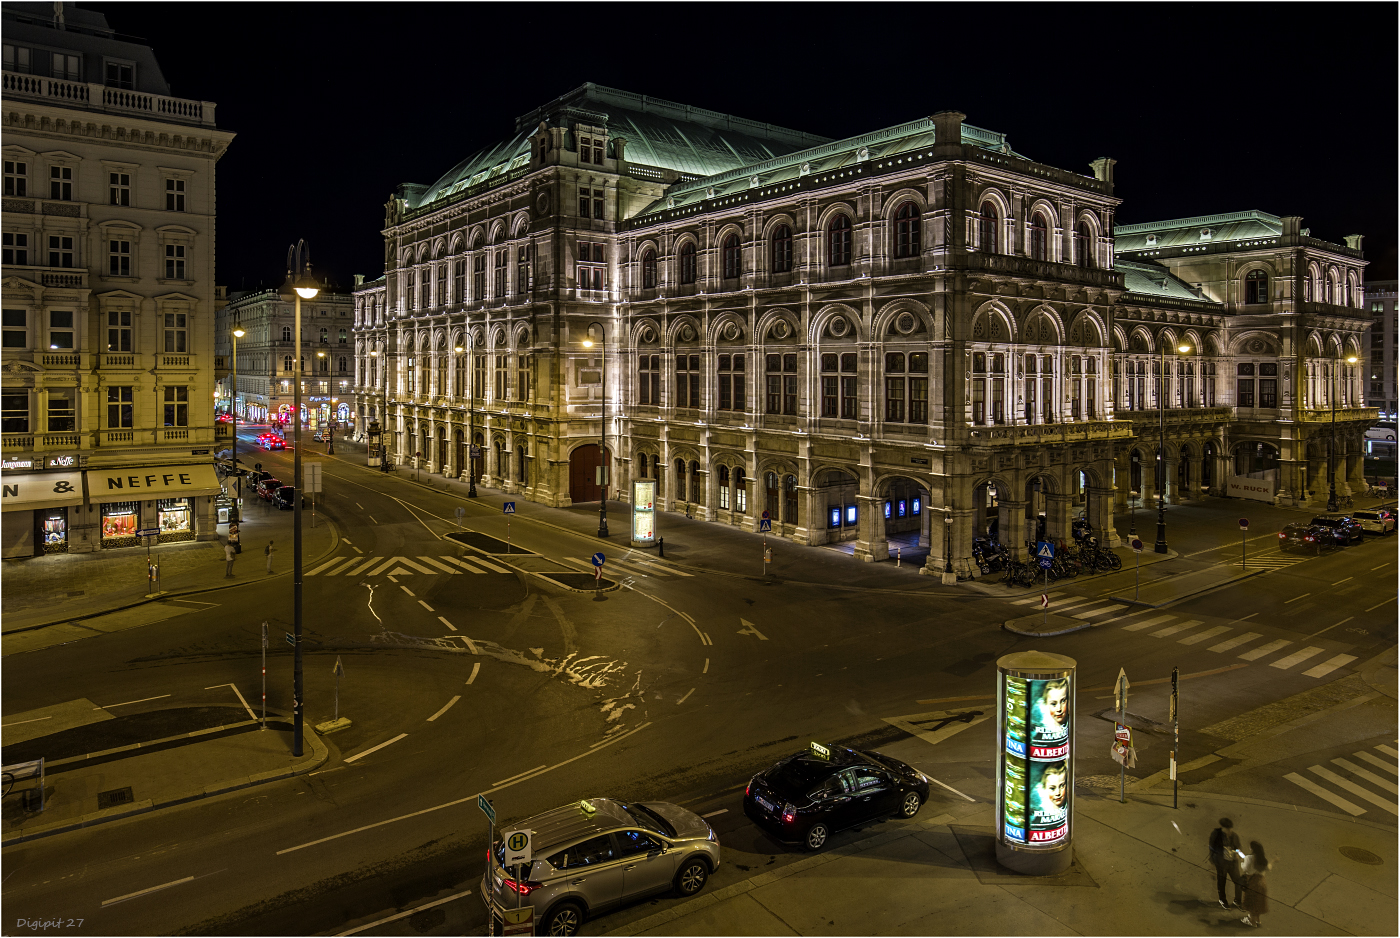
(542,202)
(687,333)
(905,323)
(839,327)
(1256,346)
(780,330)
(730,331)
(647,335)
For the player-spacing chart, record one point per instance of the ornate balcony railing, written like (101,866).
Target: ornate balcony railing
(92,96)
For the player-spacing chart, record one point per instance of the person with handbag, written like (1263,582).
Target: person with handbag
(1256,887)
(1225,857)
(233,535)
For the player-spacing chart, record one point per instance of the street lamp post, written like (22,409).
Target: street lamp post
(948,575)
(330,427)
(237,476)
(603,448)
(305,287)
(1163,390)
(1332,434)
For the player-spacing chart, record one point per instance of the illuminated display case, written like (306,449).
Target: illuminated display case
(1035,762)
(643,513)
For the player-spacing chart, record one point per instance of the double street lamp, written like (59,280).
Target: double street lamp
(237,476)
(1332,434)
(305,288)
(603,467)
(469,392)
(1163,389)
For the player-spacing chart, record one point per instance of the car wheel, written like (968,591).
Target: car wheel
(910,806)
(691,879)
(816,837)
(564,919)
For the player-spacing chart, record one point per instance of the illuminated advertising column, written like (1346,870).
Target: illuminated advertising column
(1035,762)
(643,513)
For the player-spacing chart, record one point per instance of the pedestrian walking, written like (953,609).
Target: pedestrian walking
(269,549)
(1225,857)
(234,537)
(229,554)
(1256,887)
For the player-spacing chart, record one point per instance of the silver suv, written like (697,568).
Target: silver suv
(596,854)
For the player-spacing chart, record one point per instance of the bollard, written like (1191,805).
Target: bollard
(898,555)
(661,545)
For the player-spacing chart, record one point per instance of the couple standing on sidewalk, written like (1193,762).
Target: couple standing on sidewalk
(1246,870)
(233,548)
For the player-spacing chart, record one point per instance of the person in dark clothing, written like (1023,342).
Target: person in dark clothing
(1225,856)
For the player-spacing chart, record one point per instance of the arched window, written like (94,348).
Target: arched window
(680,480)
(838,242)
(688,262)
(286,363)
(790,500)
(342,364)
(782,250)
(286,333)
(987,228)
(1083,245)
(906,230)
(723,486)
(741,491)
(1256,287)
(1040,242)
(731,257)
(649,270)
(522,467)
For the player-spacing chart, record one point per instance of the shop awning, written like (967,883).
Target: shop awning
(140,483)
(24,491)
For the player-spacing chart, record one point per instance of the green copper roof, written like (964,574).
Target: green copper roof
(1203,229)
(1150,279)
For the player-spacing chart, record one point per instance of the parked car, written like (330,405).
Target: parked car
(810,795)
(265,487)
(1375,521)
(272,442)
(1305,537)
(598,853)
(284,498)
(1381,431)
(1344,529)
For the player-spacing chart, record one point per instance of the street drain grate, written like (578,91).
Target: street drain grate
(110,799)
(1360,855)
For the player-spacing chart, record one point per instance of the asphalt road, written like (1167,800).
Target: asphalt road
(675,688)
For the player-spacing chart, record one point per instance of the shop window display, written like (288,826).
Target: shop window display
(174,520)
(56,531)
(119,523)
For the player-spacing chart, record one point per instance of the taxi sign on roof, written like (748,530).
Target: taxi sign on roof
(587,807)
(821,752)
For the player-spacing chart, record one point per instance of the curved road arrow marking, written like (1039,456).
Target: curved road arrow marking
(750,629)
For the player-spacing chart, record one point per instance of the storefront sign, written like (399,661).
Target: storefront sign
(42,490)
(152,482)
(643,513)
(61,462)
(1244,487)
(17,462)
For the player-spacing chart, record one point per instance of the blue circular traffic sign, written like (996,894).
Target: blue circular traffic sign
(598,559)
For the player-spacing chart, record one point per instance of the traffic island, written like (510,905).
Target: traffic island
(1043,625)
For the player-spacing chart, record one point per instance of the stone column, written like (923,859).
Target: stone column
(1193,470)
(871,544)
(1057,516)
(1101,518)
(1169,470)
(1011,528)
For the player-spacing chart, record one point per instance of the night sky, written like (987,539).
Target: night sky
(1206,107)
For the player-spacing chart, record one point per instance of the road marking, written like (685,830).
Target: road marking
(1330,665)
(1343,580)
(324,771)
(413,911)
(1354,788)
(110,706)
(438,563)
(445,707)
(361,755)
(251,714)
(1298,657)
(1173,629)
(476,666)
(471,646)
(426,606)
(1382,602)
(704,670)
(365,566)
(521,775)
(1097,612)
(950,788)
(1388,751)
(449,625)
(708,640)
(1331,627)
(408,591)
(462,563)
(686,697)
(359,506)
(750,629)
(1147,623)
(1378,763)
(714,813)
(146,892)
(1374,569)
(1309,785)
(470,799)
(1235,642)
(325,566)
(1254,654)
(356,549)
(1296,598)
(50,717)
(1202,636)
(1371,777)
(371,517)
(1036,599)
(489,565)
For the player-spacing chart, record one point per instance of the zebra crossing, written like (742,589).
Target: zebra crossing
(1359,782)
(632,566)
(1166,626)
(404,566)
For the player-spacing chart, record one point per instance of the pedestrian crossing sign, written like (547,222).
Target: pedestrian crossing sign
(509,508)
(765,525)
(1045,554)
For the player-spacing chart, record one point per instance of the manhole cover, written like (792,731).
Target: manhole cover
(110,799)
(1361,856)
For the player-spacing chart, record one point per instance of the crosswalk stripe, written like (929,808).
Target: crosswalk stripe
(489,565)
(1330,665)
(384,566)
(1202,636)
(1173,629)
(1298,657)
(365,566)
(325,566)
(1355,789)
(439,564)
(1368,776)
(349,562)
(1061,607)
(1378,763)
(463,564)
(1309,785)
(1147,623)
(1036,599)
(1254,654)
(1388,751)
(1097,612)
(1235,642)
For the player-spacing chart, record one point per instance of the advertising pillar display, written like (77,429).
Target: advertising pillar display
(643,512)
(1035,762)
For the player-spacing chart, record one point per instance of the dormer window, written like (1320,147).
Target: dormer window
(1206,234)
(590,150)
(1152,240)
(120,75)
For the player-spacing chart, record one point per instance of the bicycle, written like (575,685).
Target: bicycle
(1344,502)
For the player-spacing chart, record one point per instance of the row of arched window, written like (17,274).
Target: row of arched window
(1038,236)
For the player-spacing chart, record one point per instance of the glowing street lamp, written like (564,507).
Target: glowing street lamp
(305,287)
(1162,390)
(603,448)
(1332,435)
(234,516)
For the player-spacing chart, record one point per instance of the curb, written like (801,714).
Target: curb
(1144,794)
(1037,634)
(320,754)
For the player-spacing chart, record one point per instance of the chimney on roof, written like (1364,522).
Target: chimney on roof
(359,280)
(58,15)
(619,148)
(1354,241)
(1103,170)
(1292,225)
(947,127)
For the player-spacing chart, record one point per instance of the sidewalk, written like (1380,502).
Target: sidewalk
(1140,868)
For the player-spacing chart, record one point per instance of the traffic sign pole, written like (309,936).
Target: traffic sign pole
(1122,718)
(1244,529)
(1176,733)
(264,670)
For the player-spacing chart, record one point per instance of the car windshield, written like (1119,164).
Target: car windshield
(1329,522)
(1367,515)
(799,774)
(646,817)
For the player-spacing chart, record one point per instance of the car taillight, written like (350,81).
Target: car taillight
(1284,536)
(524,889)
(748,788)
(789,813)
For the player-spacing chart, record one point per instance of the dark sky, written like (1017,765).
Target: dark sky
(1290,109)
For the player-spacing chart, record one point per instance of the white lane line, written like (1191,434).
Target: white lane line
(356,549)
(146,892)
(1296,598)
(1388,751)
(1331,627)
(408,591)
(1173,629)
(439,564)
(361,755)
(359,506)
(365,566)
(1382,603)
(521,775)
(445,707)
(1309,785)
(1147,623)
(1374,569)
(1355,789)
(371,517)
(349,562)
(110,706)
(1330,665)
(1343,580)
(698,633)
(251,714)
(412,911)
(37,719)
(426,606)
(1298,657)
(1378,763)
(471,646)
(1254,654)
(704,670)
(325,566)
(481,561)
(446,623)
(1202,636)
(1099,612)
(476,666)
(686,697)
(462,563)
(708,640)
(1372,777)
(1235,642)
(952,789)
(715,813)
(470,799)
(346,540)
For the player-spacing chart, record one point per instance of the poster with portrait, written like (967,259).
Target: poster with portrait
(1036,782)
(1049,802)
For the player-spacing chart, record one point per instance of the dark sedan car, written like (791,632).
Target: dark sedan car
(284,497)
(1306,537)
(266,487)
(1345,530)
(809,795)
